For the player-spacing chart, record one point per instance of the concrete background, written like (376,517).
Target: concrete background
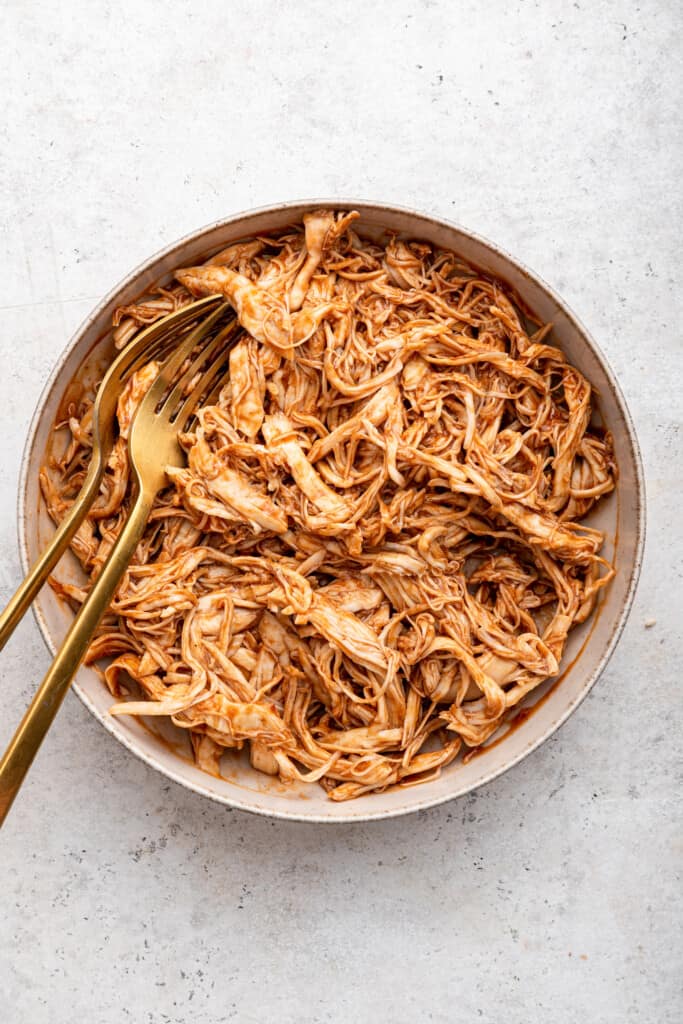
(552,128)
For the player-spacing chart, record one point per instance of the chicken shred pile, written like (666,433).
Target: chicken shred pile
(375,549)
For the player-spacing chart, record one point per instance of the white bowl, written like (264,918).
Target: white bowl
(589,646)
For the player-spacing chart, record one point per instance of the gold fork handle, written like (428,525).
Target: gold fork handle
(49,696)
(39,571)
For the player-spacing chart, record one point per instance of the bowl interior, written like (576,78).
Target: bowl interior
(620,516)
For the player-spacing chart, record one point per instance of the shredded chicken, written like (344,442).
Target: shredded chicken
(375,550)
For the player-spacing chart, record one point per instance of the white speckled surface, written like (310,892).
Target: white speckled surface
(552,128)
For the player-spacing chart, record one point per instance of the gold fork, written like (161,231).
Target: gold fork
(143,348)
(153,444)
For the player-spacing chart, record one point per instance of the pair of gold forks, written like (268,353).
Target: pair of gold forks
(199,337)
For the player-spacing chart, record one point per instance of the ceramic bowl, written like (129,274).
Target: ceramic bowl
(621,516)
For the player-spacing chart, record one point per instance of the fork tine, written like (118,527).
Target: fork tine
(204,385)
(214,393)
(207,354)
(170,367)
(146,344)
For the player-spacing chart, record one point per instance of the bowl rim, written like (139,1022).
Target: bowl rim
(418,803)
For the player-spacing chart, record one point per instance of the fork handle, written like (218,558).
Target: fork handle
(23,596)
(41,711)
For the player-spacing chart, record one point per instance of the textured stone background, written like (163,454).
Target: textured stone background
(552,128)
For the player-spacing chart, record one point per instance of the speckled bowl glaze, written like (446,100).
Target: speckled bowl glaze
(621,516)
